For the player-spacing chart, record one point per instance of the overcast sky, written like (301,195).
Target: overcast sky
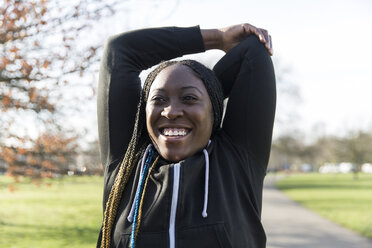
(326,45)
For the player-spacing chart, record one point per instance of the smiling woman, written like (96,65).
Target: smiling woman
(174,175)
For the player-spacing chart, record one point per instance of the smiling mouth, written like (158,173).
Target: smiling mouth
(174,132)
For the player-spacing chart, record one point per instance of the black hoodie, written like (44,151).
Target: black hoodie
(212,199)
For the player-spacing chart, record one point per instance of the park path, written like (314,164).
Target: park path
(288,225)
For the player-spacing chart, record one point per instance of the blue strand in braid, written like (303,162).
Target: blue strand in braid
(138,198)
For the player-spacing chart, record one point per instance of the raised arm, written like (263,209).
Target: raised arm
(248,79)
(124,57)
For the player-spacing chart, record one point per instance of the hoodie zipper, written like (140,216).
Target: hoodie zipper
(172,219)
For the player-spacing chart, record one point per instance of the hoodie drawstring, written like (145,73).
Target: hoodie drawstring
(204,213)
(206,181)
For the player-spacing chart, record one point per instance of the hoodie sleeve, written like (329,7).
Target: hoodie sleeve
(247,76)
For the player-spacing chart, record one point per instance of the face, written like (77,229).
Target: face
(179,115)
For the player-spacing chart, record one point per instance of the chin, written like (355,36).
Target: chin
(173,156)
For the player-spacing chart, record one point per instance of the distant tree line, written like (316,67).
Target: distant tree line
(291,151)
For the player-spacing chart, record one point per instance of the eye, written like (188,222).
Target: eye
(158,99)
(189,98)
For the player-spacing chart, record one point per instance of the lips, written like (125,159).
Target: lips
(174,132)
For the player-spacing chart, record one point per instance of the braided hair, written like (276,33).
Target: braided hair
(140,138)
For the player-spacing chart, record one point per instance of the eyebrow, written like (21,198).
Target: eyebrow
(191,87)
(183,88)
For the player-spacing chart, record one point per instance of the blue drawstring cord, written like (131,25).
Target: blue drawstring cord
(131,213)
(138,196)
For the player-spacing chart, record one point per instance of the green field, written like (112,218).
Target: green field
(68,212)
(65,213)
(338,197)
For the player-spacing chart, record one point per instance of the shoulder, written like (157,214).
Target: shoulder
(235,155)
(224,143)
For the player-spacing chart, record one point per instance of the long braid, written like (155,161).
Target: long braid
(136,147)
(140,139)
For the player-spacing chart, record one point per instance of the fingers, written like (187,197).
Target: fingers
(262,34)
(250,29)
(265,34)
(233,35)
(267,42)
(271,50)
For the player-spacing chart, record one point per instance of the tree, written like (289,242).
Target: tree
(89,159)
(327,150)
(357,149)
(40,52)
(288,100)
(50,154)
(39,43)
(286,151)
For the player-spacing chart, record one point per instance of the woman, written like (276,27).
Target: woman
(174,176)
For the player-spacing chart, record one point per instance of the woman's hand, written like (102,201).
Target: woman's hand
(233,35)
(227,38)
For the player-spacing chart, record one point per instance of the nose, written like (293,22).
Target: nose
(172,111)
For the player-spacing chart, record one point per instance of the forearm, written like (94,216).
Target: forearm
(141,49)
(212,38)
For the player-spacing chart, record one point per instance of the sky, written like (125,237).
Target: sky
(324,46)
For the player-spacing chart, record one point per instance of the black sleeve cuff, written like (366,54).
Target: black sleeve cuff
(189,39)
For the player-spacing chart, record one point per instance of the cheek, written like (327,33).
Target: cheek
(153,114)
(210,115)
(207,119)
(211,121)
(149,117)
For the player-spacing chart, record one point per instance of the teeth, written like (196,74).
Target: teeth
(174,131)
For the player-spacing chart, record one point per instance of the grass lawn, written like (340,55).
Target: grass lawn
(65,213)
(338,197)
